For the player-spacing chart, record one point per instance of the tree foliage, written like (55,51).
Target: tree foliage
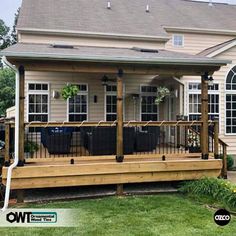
(7,91)
(13,33)
(5,38)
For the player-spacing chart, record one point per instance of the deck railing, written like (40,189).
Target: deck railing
(78,139)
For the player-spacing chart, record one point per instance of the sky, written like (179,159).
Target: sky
(8,9)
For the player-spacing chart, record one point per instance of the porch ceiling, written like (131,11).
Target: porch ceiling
(107,60)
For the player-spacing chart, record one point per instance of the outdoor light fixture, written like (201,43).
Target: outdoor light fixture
(208,79)
(105,80)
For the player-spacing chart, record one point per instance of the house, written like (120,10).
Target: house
(119,53)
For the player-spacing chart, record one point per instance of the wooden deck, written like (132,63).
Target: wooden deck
(58,172)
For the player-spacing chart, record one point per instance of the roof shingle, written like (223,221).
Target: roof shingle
(125,17)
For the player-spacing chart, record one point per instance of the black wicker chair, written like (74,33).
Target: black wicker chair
(57,140)
(102,141)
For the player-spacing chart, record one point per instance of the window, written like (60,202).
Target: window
(78,105)
(178,40)
(194,102)
(38,100)
(231,101)
(149,109)
(111,91)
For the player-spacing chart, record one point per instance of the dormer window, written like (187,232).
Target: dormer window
(178,40)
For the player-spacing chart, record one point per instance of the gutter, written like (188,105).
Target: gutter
(109,59)
(16,157)
(93,34)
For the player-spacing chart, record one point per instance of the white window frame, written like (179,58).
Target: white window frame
(147,94)
(112,93)
(79,93)
(228,92)
(37,92)
(173,40)
(197,91)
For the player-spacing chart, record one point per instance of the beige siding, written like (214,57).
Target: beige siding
(83,41)
(195,43)
(58,107)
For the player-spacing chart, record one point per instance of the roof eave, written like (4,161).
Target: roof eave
(200,30)
(121,60)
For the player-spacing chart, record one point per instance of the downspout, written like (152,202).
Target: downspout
(17,113)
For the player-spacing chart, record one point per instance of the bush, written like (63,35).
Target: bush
(230,161)
(219,190)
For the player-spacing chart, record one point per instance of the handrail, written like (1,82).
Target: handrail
(108,123)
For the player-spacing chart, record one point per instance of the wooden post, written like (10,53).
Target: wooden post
(7,145)
(224,169)
(21,116)
(119,139)
(204,117)
(216,139)
(20,195)
(120,190)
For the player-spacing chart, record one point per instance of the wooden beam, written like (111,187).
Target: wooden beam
(110,167)
(119,139)
(62,181)
(21,116)
(128,68)
(204,117)
(224,169)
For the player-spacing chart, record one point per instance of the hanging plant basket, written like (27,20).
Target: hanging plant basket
(69,91)
(162,92)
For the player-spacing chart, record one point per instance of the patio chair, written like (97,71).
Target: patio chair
(102,141)
(57,140)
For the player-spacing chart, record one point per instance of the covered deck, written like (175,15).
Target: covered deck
(138,153)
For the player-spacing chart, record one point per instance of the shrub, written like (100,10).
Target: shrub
(219,190)
(230,161)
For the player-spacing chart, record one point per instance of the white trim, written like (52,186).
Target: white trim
(223,49)
(188,92)
(79,93)
(228,92)
(147,94)
(173,40)
(113,93)
(43,92)
(93,34)
(200,30)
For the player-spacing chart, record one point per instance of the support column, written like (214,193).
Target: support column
(21,116)
(119,138)
(204,117)
(216,139)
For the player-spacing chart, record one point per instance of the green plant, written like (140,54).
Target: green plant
(31,147)
(219,190)
(230,161)
(162,92)
(69,91)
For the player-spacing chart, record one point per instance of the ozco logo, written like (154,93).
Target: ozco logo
(222,217)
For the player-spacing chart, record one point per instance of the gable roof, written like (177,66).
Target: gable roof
(219,48)
(124,17)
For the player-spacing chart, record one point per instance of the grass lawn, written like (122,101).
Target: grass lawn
(139,215)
